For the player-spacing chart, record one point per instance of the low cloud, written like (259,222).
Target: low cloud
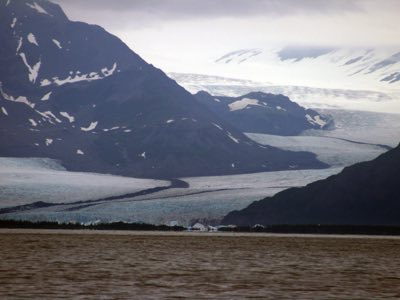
(189,9)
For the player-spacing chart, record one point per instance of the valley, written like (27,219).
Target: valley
(91,132)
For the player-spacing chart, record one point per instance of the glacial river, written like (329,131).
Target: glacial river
(41,264)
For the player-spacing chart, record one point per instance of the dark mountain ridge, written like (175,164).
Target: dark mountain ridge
(73,92)
(366,193)
(259,112)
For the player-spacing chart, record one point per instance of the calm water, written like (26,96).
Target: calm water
(112,265)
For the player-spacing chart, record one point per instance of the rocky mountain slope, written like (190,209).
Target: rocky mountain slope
(260,112)
(73,92)
(366,193)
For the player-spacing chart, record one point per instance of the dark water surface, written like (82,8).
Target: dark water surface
(114,265)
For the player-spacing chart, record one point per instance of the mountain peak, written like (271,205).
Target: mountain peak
(73,92)
(33,9)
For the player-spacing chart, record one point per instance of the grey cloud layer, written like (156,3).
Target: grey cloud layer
(183,9)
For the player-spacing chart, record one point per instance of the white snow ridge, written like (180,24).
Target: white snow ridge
(90,127)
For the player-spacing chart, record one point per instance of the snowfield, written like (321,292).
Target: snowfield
(362,126)
(25,181)
(307,96)
(207,199)
(28,180)
(357,136)
(333,151)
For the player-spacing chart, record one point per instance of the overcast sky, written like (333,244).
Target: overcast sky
(170,33)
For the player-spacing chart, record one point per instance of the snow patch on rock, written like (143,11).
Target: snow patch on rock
(46,97)
(33,122)
(57,43)
(19,45)
(90,127)
(14,21)
(20,99)
(108,72)
(49,142)
(49,116)
(4,111)
(316,120)
(45,82)
(232,137)
(105,72)
(38,8)
(243,103)
(32,39)
(33,71)
(68,116)
(219,127)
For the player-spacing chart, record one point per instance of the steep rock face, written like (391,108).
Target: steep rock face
(73,92)
(260,112)
(366,193)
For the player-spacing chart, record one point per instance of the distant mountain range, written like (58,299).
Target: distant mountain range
(308,96)
(73,92)
(315,77)
(351,67)
(366,193)
(259,112)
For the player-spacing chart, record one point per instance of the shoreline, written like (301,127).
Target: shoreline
(22,231)
(311,229)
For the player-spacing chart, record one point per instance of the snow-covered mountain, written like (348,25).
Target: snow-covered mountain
(259,112)
(322,67)
(310,97)
(74,92)
(342,78)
